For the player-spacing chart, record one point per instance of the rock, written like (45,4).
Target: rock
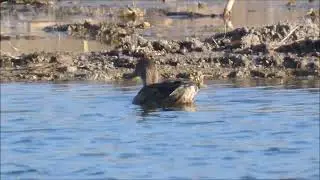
(289,62)
(256,73)
(161,45)
(131,12)
(144,25)
(232,74)
(250,40)
(243,52)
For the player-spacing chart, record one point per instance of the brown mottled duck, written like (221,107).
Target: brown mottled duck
(166,93)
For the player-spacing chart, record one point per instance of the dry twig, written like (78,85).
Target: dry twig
(291,32)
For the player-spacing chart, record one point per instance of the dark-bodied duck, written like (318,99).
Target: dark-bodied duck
(166,93)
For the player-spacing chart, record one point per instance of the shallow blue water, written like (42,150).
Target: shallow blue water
(89,130)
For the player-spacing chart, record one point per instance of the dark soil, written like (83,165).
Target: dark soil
(274,51)
(29,2)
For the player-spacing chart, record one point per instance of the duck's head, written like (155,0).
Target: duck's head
(146,69)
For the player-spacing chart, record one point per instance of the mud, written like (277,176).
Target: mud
(29,2)
(282,50)
(109,33)
(22,36)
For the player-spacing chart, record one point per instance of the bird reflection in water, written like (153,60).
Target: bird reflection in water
(146,110)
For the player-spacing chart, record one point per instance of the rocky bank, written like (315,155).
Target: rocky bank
(283,50)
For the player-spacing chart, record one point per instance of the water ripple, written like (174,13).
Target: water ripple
(17,111)
(275,151)
(31,130)
(92,115)
(20,172)
(89,131)
(101,154)
(12,169)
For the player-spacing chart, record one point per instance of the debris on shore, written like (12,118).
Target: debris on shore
(282,50)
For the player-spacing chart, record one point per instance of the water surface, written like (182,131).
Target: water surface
(238,129)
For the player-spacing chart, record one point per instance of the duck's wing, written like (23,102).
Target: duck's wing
(161,92)
(155,93)
(164,89)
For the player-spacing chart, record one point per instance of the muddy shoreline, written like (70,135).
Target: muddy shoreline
(282,50)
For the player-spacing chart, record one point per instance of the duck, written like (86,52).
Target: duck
(164,93)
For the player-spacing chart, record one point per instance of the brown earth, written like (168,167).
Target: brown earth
(29,2)
(286,49)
